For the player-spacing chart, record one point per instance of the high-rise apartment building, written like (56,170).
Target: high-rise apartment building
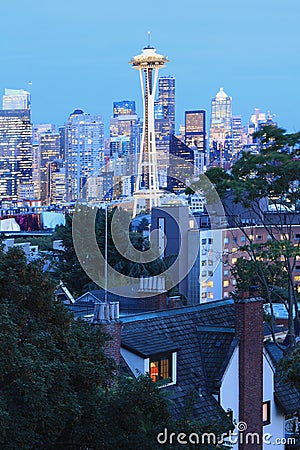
(220,126)
(15,154)
(84,150)
(16,99)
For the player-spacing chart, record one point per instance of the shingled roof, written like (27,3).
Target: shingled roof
(178,329)
(286,395)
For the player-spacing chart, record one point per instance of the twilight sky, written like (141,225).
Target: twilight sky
(76,54)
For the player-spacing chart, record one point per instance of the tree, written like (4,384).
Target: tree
(122,259)
(58,389)
(263,182)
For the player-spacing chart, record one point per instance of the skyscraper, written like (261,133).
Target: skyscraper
(180,167)
(48,153)
(16,99)
(195,133)
(147,187)
(84,150)
(15,154)
(220,126)
(166,97)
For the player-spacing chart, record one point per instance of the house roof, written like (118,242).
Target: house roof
(179,328)
(286,395)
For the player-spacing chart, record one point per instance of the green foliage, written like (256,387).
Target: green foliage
(291,368)
(122,259)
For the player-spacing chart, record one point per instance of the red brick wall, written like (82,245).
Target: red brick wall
(249,330)
(112,346)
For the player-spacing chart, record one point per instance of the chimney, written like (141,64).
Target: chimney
(153,285)
(249,331)
(107,314)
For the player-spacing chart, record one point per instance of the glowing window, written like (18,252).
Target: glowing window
(210,284)
(226,283)
(161,367)
(234,260)
(210,295)
(266,412)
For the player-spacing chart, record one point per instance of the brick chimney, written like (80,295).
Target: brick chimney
(249,331)
(152,293)
(107,315)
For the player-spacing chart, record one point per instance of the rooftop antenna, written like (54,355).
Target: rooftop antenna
(149,39)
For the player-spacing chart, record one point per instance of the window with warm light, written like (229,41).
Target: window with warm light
(234,260)
(161,367)
(266,412)
(210,284)
(210,295)
(226,283)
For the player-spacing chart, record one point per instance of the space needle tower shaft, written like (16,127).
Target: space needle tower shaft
(146,192)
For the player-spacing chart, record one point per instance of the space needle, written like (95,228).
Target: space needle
(146,193)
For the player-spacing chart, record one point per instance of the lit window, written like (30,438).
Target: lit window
(266,412)
(225,283)
(210,295)
(234,249)
(234,260)
(226,294)
(204,284)
(210,284)
(161,367)
(251,237)
(297,278)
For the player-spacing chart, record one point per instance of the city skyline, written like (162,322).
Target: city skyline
(79,58)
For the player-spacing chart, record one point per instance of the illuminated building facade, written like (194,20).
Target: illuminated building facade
(195,134)
(220,127)
(124,108)
(166,98)
(15,153)
(16,99)
(49,152)
(84,150)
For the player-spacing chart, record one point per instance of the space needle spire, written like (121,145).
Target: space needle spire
(146,192)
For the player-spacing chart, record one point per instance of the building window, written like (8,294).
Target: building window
(226,240)
(266,412)
(210,262)
(210,241)
(243,238)
(203,295)
(204,284)
(204,263)
(210,273)
(226,272)
(210,295)
(226,283)
(234,260)
(204,273)
(203,241)
(161,367)
(210,284)
(259,237)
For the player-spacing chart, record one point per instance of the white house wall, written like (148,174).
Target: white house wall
(276,427)
(135,363)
